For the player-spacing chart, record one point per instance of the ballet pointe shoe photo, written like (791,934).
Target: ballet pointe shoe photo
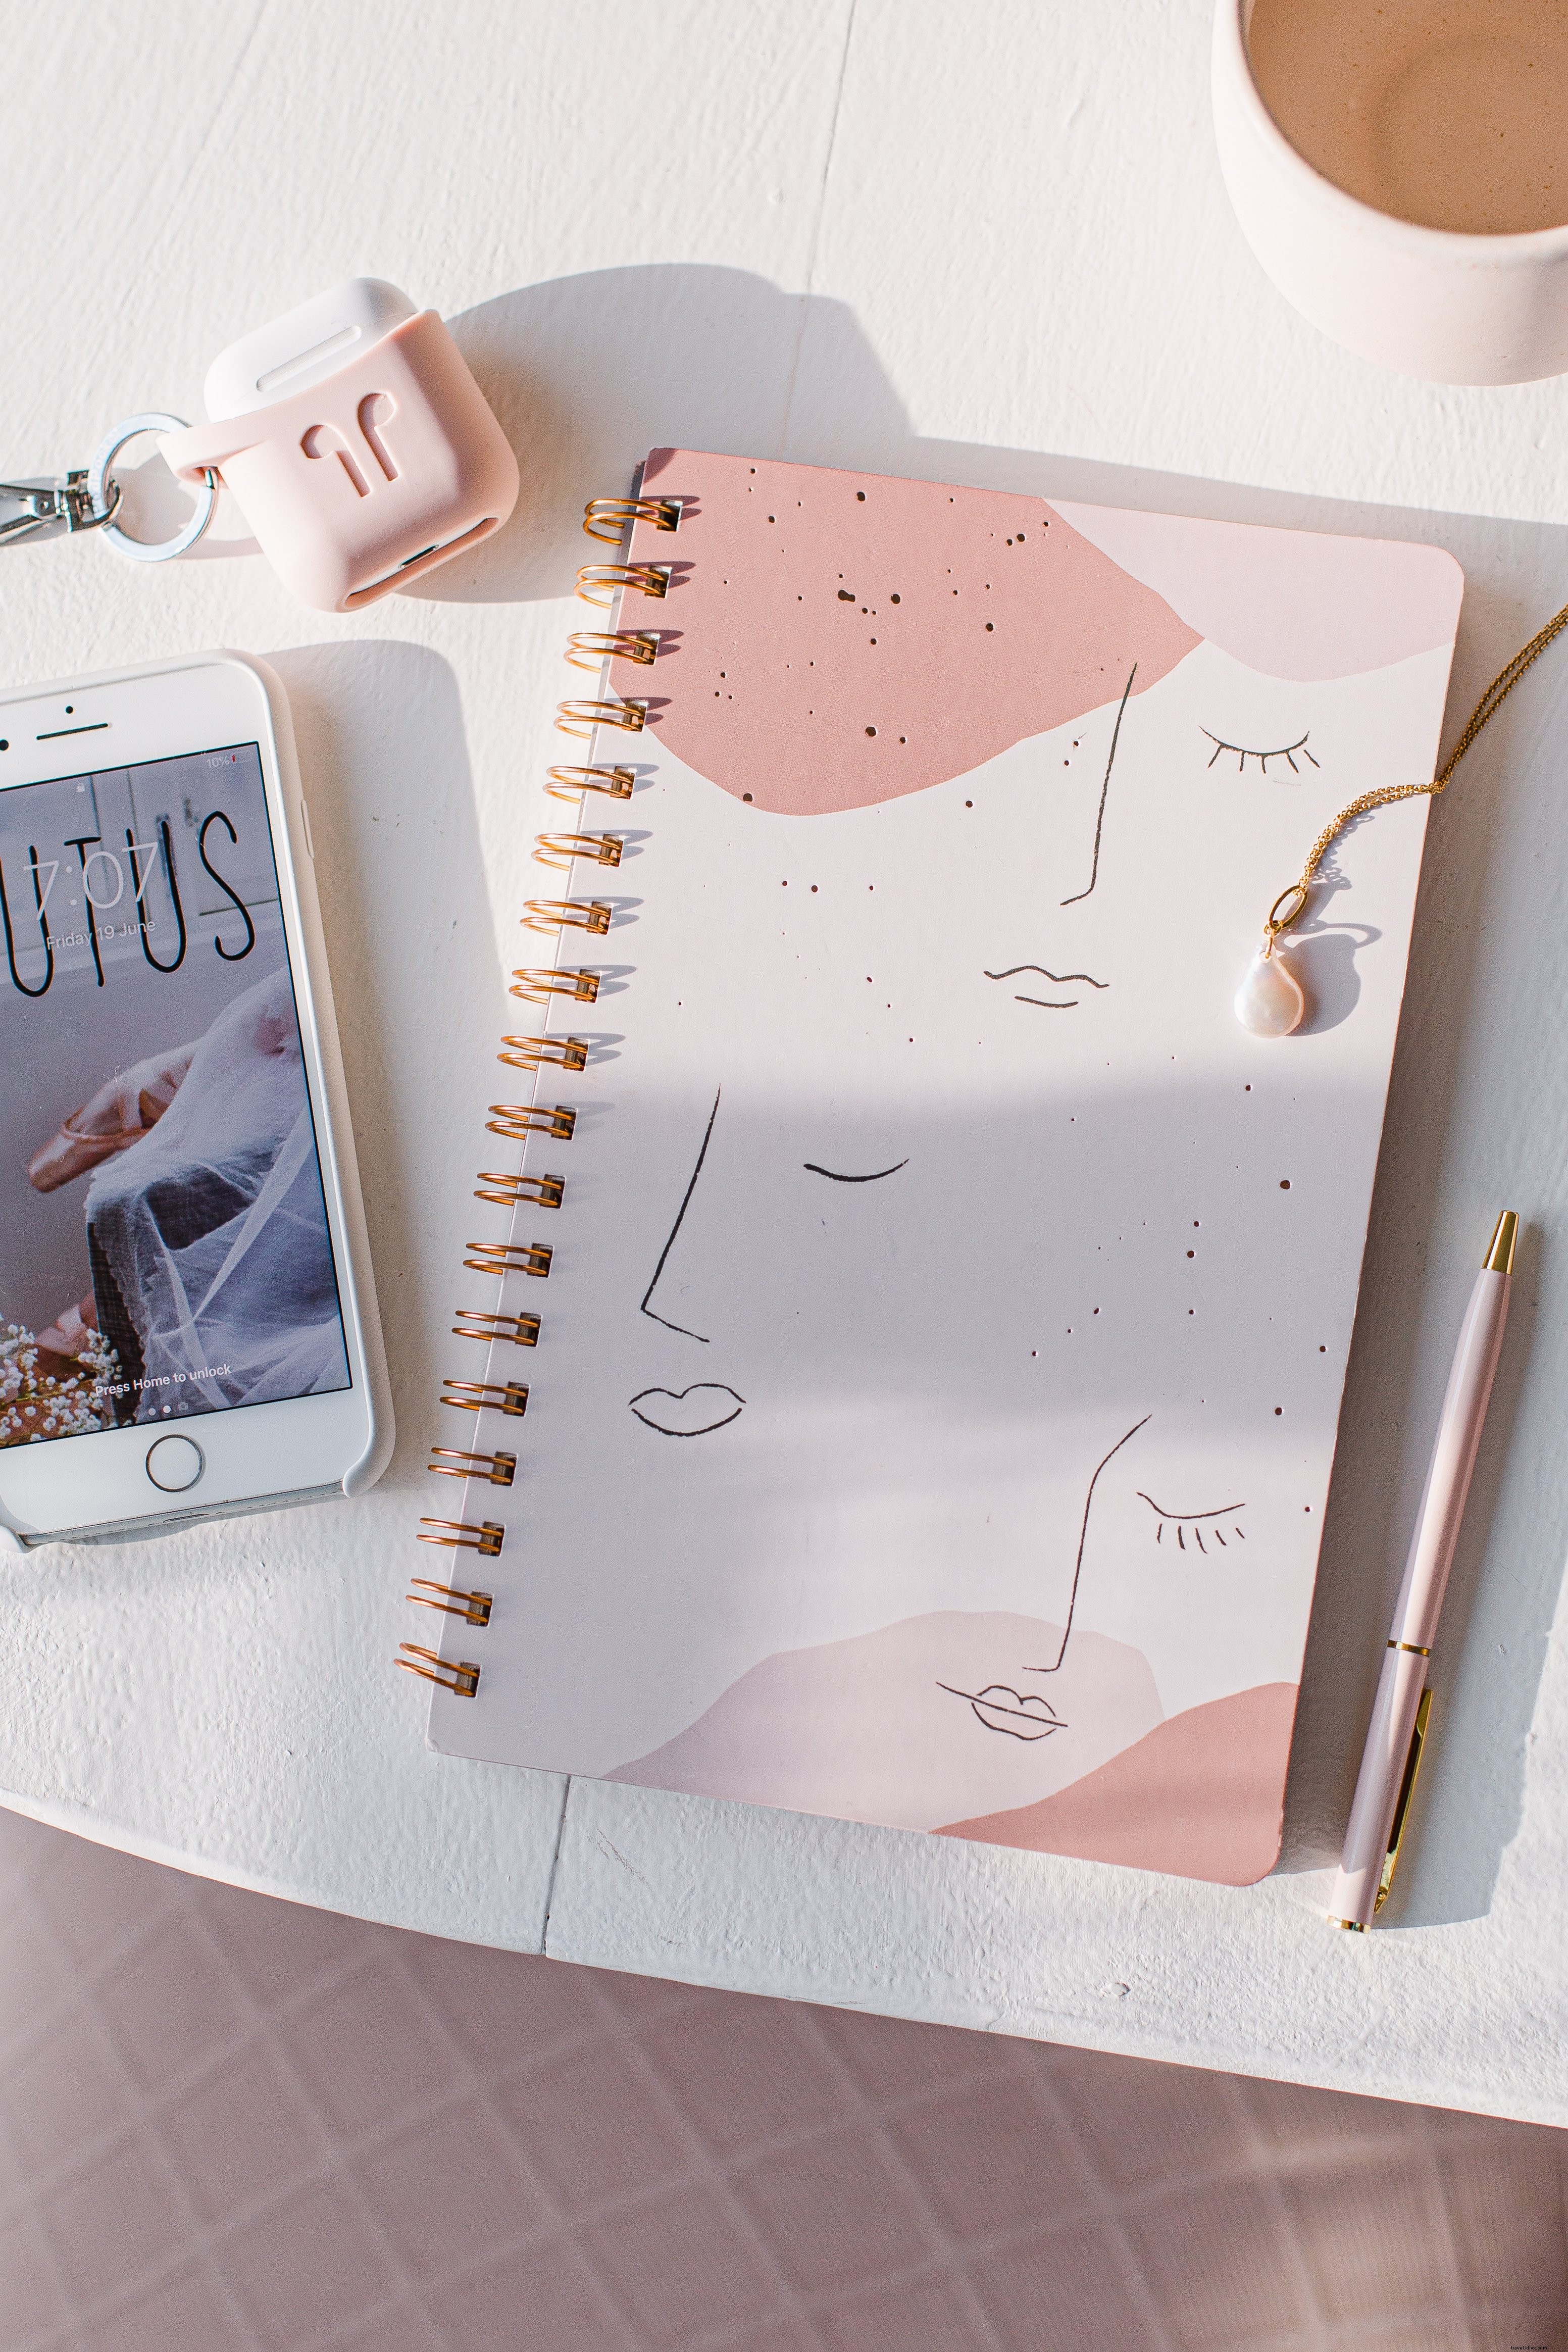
(121,1112)
(72,1153)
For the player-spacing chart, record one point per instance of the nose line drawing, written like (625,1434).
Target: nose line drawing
(1105,789)
(651,1313)
(1082,1538)
(1062,980)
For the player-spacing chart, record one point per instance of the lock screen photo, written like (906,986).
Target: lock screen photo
(164,1248)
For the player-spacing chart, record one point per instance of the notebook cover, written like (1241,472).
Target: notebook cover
(941,1357)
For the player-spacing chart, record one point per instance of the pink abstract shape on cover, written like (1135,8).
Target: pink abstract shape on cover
(1300,604)
(1201,1796)
(909,1726)
(831,640)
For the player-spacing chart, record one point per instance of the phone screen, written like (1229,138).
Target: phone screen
(165,1247)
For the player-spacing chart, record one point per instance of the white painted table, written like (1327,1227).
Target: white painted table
(990,248)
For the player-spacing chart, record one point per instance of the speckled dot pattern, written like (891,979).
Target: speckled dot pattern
(829,640)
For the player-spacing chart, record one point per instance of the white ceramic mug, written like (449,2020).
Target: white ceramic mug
(1431,302)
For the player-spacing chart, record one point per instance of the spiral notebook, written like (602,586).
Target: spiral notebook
(908,1314)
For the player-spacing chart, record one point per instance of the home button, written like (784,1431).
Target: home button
(174,1464)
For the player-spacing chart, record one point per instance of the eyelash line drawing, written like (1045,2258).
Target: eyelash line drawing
(1105,789)
(1283,752)
(675,1229)
(1062,980)
(1082,1538)
(1185,1519)
(833,1176)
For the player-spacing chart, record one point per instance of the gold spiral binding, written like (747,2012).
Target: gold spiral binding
(598,583)
(592,648)
(474,1608)
(579,718)
(523,1191)
(462,1681)
(566,915)
(537,986)
(497,1469)
(544,1052)
(566,848)
(522,1119)
(601,584)
(606,519)
(510,1257)
(480,1323)
(510,1397)
(566,783)
(485,1539)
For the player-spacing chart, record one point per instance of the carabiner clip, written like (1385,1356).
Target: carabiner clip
(48,506)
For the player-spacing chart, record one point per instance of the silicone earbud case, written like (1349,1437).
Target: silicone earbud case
(361,476)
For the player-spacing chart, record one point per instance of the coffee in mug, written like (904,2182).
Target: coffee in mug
(1452,113)
(1400,169)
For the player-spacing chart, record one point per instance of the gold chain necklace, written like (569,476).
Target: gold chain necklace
(1270,1000)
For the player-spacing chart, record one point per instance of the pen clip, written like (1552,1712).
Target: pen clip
(1402,1809)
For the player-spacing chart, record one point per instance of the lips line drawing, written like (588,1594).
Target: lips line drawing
(678,1396)
(1029,1717)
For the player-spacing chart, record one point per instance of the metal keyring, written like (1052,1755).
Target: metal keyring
(206,497)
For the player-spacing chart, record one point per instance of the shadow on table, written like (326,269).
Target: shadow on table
(587,372)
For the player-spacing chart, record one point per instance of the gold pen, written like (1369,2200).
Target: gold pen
(1398,1732)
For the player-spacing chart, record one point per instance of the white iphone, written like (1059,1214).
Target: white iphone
(188,1325)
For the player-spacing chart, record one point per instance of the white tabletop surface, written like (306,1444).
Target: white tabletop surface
(984,246)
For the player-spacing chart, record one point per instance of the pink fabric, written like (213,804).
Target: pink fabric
(1202,1795)
(811,654)
(231,2124)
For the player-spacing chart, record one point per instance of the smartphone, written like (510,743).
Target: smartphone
(188,1323)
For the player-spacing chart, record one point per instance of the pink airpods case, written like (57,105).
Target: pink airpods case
(358,444)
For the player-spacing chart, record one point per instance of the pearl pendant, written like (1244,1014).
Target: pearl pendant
(1269,1002)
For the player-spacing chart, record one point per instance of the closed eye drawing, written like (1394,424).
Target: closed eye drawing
(1243,753)
(1188,1528)
(842,1176)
